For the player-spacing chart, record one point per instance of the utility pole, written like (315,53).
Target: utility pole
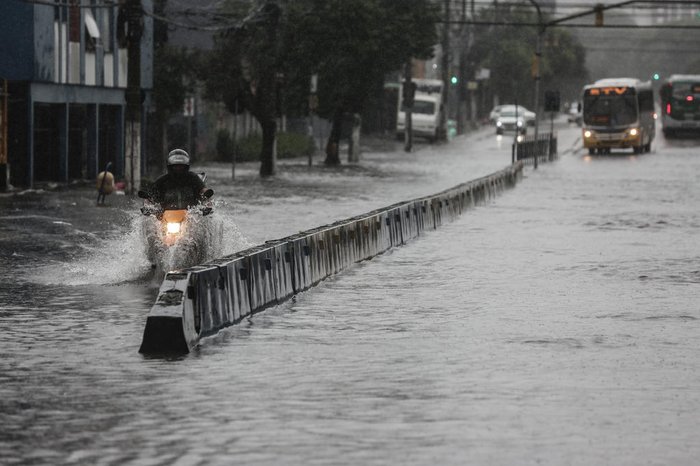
(3,137)
(442,130)
(408,98)
(536,71)
(134,18)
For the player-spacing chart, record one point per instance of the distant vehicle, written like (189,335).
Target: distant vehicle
(426,112)
(493,116)
(618,113)
(527,116)
(510,120)
(573,115)
(680,104)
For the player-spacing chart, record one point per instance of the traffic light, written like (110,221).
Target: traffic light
(656,76)
(454,80)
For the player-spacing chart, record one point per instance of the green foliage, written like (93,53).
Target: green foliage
(265,65)
(508,51)
(224,145)
(353,44)
(173,78)
(350,44)
(289,145)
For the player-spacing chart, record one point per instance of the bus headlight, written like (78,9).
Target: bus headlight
(587,134)
(634,132)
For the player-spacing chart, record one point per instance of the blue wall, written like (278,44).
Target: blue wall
(17,39)
(44,49)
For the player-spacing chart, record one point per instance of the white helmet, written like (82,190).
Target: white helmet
(178,157)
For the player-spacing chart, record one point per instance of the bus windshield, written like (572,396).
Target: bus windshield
(618,110)
(682,90)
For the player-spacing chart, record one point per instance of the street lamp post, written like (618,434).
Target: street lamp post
(538,56)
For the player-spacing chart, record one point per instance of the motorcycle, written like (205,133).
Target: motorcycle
(178,236)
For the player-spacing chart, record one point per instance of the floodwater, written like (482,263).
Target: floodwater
(556,325)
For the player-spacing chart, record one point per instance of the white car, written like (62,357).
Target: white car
(493,116)
(508,121)
(526,114)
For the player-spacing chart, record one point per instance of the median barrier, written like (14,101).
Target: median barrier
(301,263)
(170,326)
(261,280)
(199,301)
(320,261)
(283,269)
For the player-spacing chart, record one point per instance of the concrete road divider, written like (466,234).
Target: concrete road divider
(199,301)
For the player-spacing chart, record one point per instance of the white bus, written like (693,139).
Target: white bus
(618,113)
(680,104)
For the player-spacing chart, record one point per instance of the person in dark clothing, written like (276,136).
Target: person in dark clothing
(179,188)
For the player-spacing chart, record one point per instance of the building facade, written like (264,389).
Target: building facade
(65,70)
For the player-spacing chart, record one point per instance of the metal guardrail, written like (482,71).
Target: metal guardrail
(199,301)
(544,148)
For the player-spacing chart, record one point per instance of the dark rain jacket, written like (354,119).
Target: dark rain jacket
(174,191)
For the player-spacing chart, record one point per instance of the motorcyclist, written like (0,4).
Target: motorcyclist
(179,188)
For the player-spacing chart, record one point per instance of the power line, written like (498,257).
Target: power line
(560,25)
(71,3)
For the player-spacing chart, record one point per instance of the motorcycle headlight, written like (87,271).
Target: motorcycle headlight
(173,228)
(499,123)
(520,123)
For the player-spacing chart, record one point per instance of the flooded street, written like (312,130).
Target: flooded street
(556,325)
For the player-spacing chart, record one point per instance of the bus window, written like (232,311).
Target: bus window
(610,110)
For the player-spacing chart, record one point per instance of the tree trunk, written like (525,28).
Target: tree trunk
(354,147)
(160,158)
(268,151)
(332,148)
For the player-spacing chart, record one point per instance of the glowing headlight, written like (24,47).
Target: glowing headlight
(173,228)
(498,123)
(520,123)
(634,132)
(520,138)
(587,134)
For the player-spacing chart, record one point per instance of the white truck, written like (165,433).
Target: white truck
(427,109)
